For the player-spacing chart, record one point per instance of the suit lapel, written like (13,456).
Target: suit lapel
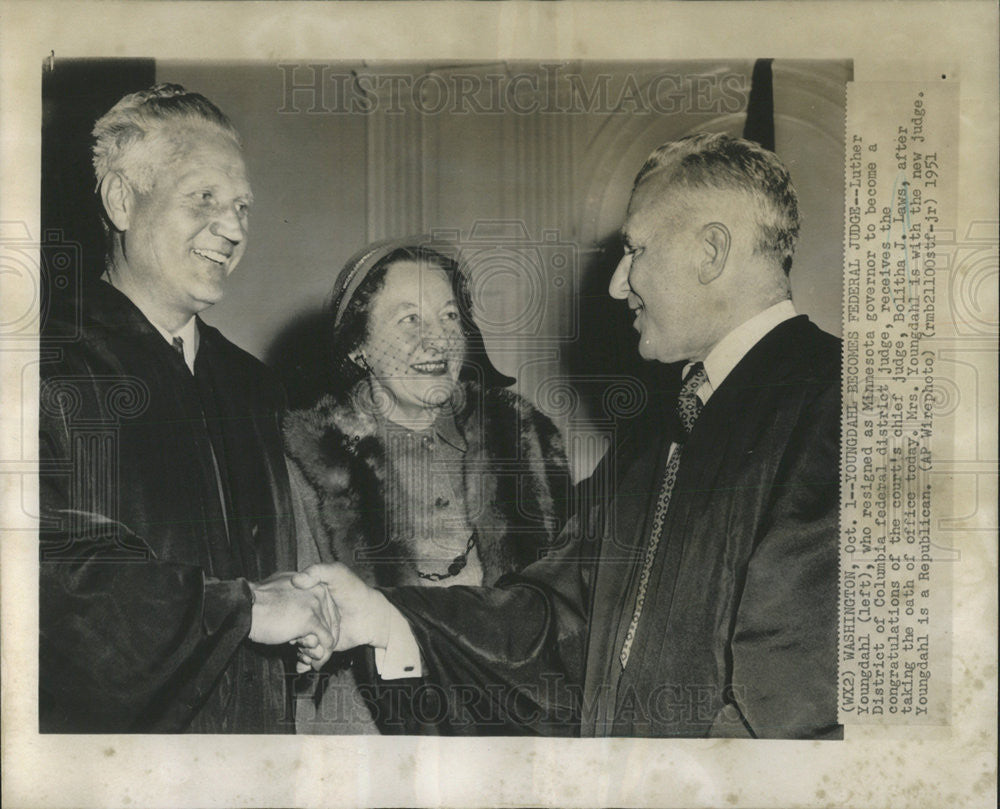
(638,469)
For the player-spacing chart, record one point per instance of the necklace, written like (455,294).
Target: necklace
(457,564)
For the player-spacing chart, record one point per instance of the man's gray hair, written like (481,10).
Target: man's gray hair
(725,163)
(124,135)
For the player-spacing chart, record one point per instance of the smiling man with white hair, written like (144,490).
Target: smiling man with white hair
(166,508)
(176,199)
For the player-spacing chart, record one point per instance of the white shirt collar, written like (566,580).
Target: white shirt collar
(188,332)
(732,348)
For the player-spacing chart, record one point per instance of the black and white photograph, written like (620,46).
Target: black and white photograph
(619,407)
(424,450)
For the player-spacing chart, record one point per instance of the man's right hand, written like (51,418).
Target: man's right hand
(363,612)
(284,613)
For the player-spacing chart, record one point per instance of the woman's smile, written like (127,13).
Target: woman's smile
(430,367)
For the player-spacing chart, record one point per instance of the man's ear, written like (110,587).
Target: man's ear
(118,197)
(716,240)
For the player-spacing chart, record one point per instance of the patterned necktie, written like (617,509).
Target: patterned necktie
(688,410)
(178,344)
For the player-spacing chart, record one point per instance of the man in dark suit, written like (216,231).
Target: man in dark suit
(165,500)
(700,597)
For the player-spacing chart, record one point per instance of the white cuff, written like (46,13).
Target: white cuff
(401,656)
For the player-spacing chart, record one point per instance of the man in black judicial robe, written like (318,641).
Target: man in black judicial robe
(164,495)
(708,611)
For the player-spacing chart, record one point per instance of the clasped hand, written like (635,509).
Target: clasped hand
(362,614)
(285,613)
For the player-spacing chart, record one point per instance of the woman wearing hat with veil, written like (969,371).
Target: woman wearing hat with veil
(420,468)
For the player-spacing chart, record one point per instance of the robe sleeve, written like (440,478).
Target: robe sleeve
(784,647)
(508,658)
(511,658)
(127,642)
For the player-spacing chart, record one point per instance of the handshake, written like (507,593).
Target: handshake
(322,610)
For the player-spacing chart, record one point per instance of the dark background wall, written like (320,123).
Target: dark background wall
(476,152)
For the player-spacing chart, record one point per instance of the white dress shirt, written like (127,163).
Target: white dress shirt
(401,656)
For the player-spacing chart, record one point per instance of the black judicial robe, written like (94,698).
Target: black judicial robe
(144,599)
(738,635)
